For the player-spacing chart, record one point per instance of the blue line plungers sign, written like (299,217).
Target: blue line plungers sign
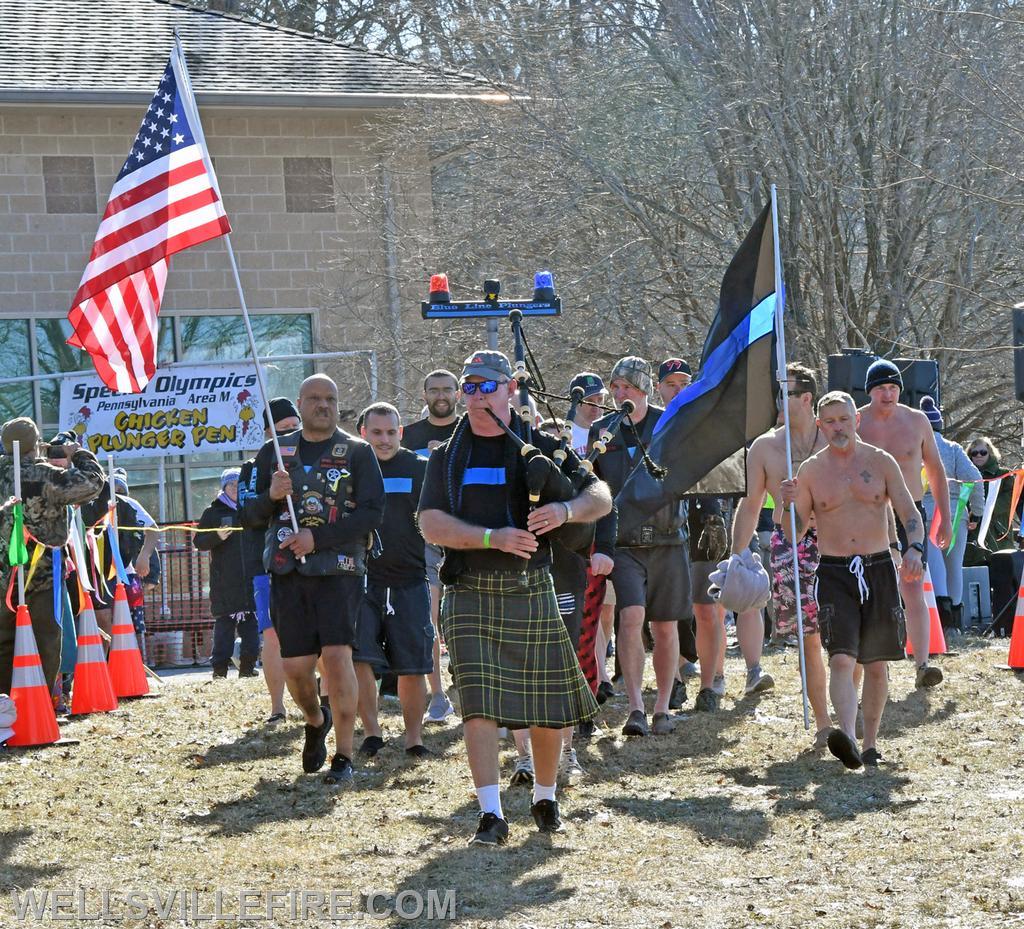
(182,411)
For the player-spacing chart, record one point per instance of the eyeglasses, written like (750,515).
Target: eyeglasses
(485,387)
(978,453)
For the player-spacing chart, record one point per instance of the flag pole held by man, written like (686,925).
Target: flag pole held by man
(731,402)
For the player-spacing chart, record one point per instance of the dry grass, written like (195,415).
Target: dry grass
(726,823)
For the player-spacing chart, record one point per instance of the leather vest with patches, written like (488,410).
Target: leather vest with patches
(321,496)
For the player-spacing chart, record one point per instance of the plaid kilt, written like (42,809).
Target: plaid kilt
(510,653)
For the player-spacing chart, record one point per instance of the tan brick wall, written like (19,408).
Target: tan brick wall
(287,260)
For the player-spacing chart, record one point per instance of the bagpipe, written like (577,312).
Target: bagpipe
(546,478)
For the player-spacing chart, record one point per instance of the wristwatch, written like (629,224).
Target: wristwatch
(895,546)
(918,546)
(568,512)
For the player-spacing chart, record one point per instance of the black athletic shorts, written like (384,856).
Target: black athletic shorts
(860,612)
(394,632)
(656,578)
(311,612)
(901,533)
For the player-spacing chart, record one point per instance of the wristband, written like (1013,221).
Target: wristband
(917,545)
(487,538)
(568,512)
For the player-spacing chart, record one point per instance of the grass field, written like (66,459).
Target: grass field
(728,822)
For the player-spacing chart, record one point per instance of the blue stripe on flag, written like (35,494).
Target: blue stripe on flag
(491,476)
(758,323)
(398,485)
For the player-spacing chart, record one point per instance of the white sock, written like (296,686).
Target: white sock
(489,798)
(540,792)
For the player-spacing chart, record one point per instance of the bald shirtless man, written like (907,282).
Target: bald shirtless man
(766,470)
(848,488)
(906,434)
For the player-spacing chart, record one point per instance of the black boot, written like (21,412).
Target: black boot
(945,606)
(247,666)
(220,670)
(958,617)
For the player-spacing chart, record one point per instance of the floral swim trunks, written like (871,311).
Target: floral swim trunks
(783,596)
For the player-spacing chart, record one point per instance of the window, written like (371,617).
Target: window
(15,361)
(308,185)
(70,183)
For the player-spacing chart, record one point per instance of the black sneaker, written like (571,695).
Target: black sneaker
(844,748)
(490,830)
(605,692)
(314,752)
(871,757)
(341,771)
(707,701)
(586,730)
(678,697)
(545,815)
(371,745)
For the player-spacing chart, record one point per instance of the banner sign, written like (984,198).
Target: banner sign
(183,411)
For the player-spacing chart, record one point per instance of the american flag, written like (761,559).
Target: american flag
(165,199)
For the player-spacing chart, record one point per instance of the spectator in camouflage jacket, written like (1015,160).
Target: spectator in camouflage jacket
(47,490)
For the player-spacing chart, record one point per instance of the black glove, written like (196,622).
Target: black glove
(713,544)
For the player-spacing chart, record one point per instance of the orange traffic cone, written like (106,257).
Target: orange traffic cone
(36,723)
(1016,659)
(937,640)
(93,691)
(126,671)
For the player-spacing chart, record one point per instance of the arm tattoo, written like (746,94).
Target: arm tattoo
(912,525)
(866,475)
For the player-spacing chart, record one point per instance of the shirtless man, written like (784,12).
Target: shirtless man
(848,488)
(906,434)
(766,470)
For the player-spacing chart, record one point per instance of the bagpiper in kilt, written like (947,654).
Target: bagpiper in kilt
(511,656)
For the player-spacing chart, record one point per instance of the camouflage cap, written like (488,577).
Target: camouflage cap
(21,430)
(634,370)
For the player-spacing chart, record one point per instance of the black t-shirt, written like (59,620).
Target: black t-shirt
(310,453)
(401,560)
(489,497)
(422,436)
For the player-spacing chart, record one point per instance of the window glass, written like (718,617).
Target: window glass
(15,399)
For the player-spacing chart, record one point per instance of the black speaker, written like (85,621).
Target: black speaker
(1018,353)
(848,371)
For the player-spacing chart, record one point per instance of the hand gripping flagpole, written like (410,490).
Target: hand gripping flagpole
(189,100)
(780,331)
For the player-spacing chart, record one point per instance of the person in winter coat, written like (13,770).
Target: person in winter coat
(985,457)
(947,568)
(231,596)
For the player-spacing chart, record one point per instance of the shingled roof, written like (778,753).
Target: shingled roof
(112,51)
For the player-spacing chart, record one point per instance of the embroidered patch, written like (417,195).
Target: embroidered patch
(340,450)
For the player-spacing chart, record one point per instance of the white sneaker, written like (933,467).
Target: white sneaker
(523,772)
(569,767)
(718,685)
(758,681)
(440,708)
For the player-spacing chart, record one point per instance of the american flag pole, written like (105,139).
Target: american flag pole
(189,100)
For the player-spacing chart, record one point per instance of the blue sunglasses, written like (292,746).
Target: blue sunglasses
(485,387)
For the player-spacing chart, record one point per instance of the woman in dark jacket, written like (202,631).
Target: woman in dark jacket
(231,598)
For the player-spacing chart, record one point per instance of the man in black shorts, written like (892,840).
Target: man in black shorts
(651,572)
(394,632)
(316,574)
(848,487)
(441,395)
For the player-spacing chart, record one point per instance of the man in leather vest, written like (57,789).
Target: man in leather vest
(651,571)
(317,573)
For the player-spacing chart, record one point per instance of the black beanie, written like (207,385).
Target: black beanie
(881,372)
(280,408)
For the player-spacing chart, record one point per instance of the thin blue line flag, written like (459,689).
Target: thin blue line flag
(702,436)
